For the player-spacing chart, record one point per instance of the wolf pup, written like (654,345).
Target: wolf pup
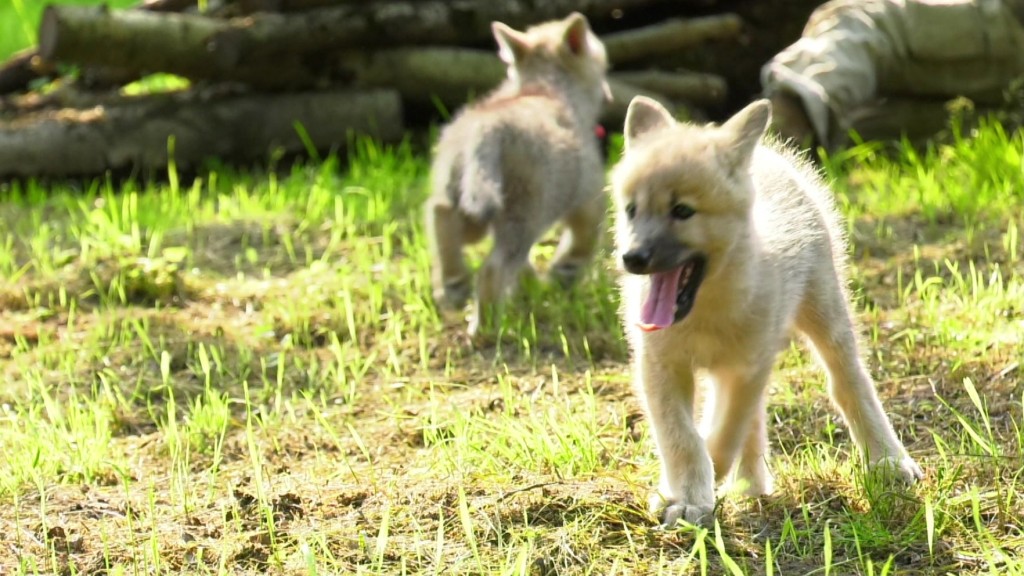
(517,161)
(730,244)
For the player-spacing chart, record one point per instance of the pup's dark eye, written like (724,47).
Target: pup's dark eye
(630,210)
(682,211)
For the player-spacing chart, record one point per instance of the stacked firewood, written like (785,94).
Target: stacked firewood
(299,74)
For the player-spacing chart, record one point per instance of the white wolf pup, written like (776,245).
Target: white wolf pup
(517,161)
(731,244)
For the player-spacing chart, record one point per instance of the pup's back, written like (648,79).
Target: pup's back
(521,146)
(795,216)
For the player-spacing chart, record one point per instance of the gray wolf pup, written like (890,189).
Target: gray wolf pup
(519,160)
(730,244)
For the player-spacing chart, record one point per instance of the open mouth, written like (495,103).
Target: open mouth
(672,295)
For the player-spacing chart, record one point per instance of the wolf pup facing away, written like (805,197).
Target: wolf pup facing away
(517,161)
(730,245)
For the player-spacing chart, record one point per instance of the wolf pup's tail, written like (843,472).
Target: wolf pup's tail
(482,181)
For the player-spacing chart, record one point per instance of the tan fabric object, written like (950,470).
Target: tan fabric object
(853,52)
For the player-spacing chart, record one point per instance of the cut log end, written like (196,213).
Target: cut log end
(49,31)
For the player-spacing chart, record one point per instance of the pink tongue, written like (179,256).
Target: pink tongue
(659,309)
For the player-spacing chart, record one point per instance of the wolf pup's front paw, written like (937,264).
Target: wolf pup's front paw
(669,512)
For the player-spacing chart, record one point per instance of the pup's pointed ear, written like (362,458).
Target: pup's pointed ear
(645,115)
(512,44)
(576,30)
(743,131)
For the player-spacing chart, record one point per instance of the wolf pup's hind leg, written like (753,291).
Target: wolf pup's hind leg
(584,227)
(752,469)
(826,322)
(499,274)
(445,234)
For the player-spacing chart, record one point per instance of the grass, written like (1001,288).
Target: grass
(244,374)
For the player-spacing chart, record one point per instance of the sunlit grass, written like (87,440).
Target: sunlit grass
(244,373)
(254,360)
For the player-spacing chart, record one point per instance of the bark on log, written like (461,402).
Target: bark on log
(515,13)
(452,74)
(134,134)
(668,37)
(177,43)
(387,23)
(253,6)
(422,74)
(692,87)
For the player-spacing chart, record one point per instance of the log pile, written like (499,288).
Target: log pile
(289,75)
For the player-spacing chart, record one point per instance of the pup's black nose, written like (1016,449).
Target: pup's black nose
(637,260)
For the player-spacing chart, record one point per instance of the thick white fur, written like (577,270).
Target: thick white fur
(776,266)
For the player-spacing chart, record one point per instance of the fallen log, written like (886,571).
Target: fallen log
(142,42)
(25,66)
(694,88)
(470,17)
(450,75)
(668,37)
(422,74)
(273,50)
(133,133)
